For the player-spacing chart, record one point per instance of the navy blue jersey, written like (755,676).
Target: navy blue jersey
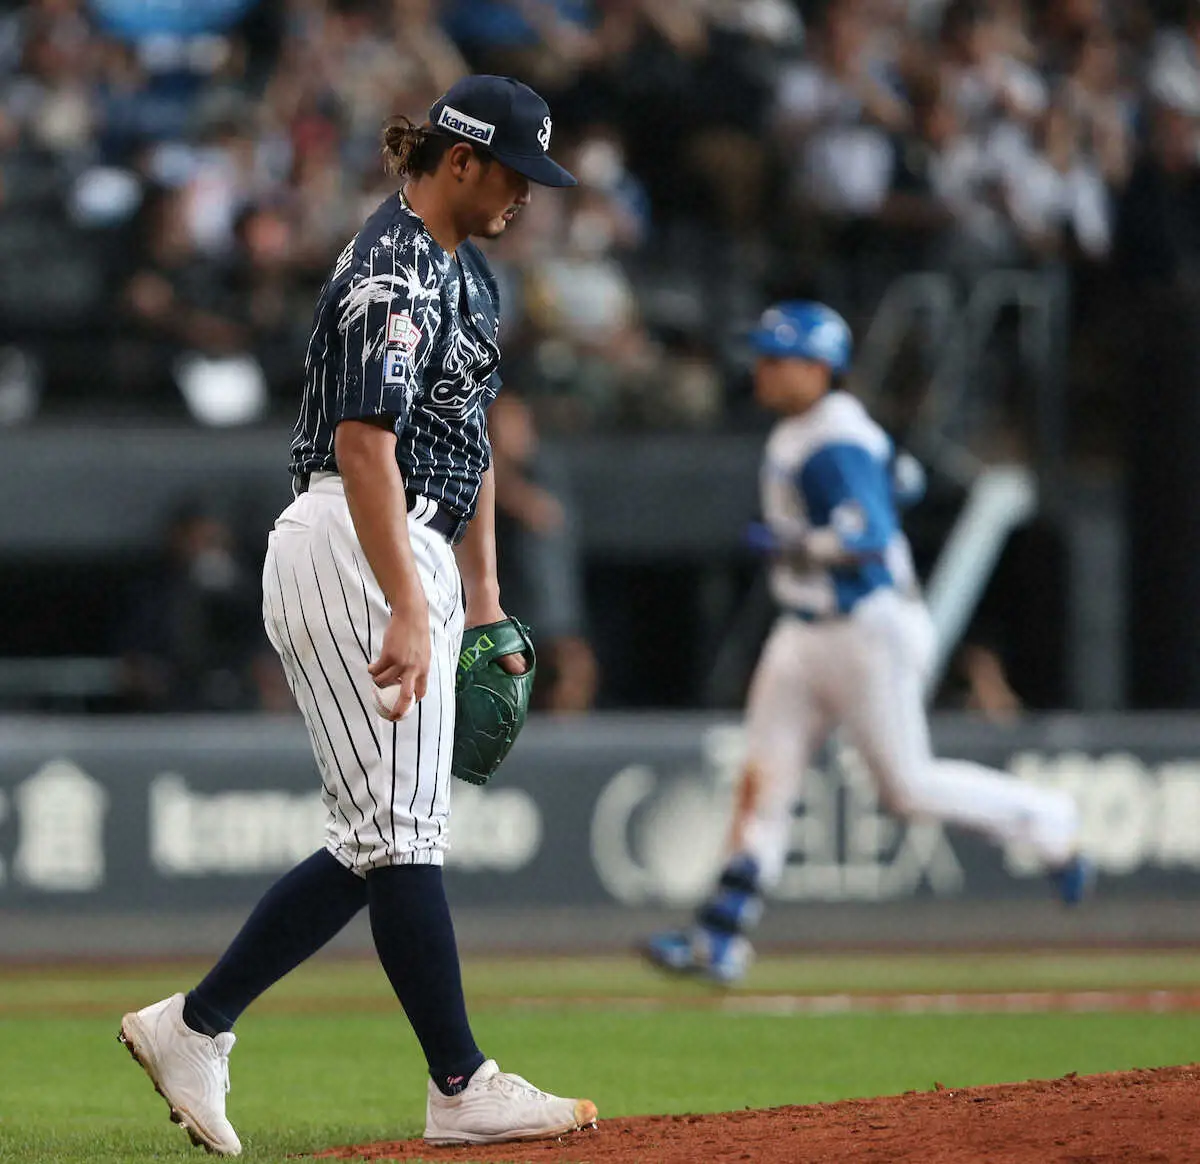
(404,330)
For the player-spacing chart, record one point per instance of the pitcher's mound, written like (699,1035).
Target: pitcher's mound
(1134,1117)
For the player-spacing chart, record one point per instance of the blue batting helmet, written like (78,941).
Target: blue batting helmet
(808,331)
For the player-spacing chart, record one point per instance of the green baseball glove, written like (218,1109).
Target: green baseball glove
(491,704)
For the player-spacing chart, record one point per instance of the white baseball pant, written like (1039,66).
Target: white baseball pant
(866,673)
(386,785)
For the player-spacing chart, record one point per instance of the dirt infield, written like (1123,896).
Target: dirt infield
(1132,1117)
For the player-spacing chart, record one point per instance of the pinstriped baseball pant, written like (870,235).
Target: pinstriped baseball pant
(386,785)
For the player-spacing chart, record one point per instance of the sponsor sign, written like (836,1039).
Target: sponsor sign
(466,126)
(163,813)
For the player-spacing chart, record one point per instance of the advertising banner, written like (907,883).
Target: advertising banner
(149,814)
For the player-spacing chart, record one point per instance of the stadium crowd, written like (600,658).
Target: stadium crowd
(181,191)
(175,179)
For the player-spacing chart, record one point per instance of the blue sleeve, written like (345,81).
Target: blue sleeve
(843,486)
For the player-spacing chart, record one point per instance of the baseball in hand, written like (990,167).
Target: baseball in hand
(387,699)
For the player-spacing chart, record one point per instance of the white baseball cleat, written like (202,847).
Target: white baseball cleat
(496,1106)
(189,1070)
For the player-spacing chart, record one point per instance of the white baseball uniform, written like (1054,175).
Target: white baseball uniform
(404,334)
(853,646)
(386,784)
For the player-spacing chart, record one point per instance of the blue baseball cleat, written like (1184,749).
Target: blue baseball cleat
(1074,880)
(723,958)
(671,951)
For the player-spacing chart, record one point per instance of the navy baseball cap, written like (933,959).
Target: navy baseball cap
(506,117)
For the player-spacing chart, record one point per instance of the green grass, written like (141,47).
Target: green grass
(360,984)
(326,1058)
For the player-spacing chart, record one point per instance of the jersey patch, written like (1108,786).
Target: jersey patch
(397,365)
(849,519)
(402,334)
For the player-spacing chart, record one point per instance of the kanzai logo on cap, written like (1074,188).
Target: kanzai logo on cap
(460,123)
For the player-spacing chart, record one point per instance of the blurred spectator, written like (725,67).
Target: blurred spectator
(371,59)
(321,192)
(833,113)
(540,570)
(618,204)
(269,297)
(592,351)
(1158,231)
(543,41)
(191,327)
(1174,72)
(192,639)
(222,175)
(992,91)
(1053,192)
(47,101)
(941,198)
(834,109)
(573,321)
(1103,113)
(177,300)
(1062,23)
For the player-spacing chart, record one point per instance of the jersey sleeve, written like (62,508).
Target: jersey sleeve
(847,490)
(388,318)
(908,480)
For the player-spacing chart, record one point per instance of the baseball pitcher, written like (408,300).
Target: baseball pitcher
(392,524)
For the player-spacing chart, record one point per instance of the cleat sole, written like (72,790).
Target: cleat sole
(586,1117)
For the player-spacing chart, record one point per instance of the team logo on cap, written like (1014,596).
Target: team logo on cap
(827,337)
(544,135)
(465,126)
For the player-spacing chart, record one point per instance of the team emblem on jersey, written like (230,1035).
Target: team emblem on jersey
(466,368)
(544,134)
(402,334)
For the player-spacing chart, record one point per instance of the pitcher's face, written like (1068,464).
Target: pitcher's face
(500,194)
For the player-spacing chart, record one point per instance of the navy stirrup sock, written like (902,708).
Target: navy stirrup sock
(414,937)
(736,904)
(292,921)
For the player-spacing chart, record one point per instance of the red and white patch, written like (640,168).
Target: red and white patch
(402,333)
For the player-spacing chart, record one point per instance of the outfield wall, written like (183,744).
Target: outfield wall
(176,821)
